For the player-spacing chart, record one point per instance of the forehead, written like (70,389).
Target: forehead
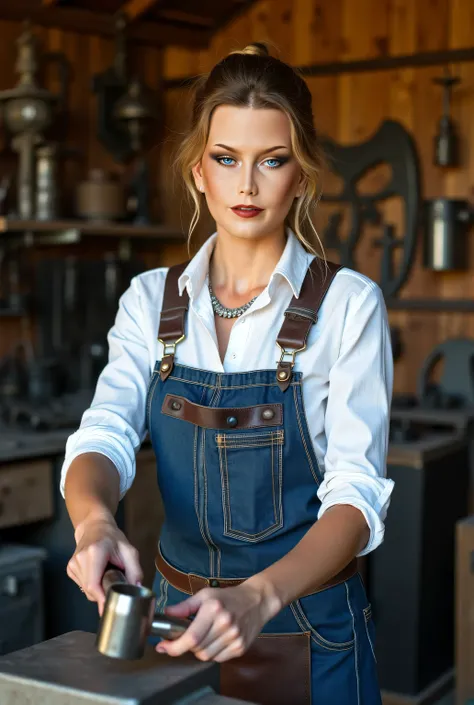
(248,128)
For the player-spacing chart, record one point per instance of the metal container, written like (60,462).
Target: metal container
(446,222)
(46,182)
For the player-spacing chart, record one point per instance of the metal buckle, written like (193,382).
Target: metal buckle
(170,345)
(289,352)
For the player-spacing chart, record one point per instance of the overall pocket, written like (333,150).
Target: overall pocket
(328,617)
(251,467)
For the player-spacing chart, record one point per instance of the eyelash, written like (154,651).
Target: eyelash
(281,161)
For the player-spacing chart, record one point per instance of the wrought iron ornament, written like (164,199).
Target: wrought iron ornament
(390,144)
(225,312)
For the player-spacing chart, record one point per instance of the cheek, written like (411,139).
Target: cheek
(218,181)
(283,188)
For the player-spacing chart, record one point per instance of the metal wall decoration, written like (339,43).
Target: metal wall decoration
(391,144)
(28,110)
(446,142)
(124,105)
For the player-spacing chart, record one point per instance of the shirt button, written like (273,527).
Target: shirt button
(233,356)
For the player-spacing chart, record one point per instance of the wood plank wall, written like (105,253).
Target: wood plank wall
(348,108)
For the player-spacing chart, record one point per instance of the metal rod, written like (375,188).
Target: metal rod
(385,63)
(431,305)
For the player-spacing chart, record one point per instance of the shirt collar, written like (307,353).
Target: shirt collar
(292,265)
(195,273)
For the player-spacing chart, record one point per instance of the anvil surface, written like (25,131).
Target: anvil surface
(68,670)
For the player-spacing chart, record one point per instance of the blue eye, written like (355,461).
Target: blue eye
(219,159)
(227,161)
(278,163)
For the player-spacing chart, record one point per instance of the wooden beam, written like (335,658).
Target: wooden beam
(86,22)
(135,8)
(186,18)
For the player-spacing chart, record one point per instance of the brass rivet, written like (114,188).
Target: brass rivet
(176,405)
(268,414)
(164,367)
(283,375)
(232,421)
(213,583)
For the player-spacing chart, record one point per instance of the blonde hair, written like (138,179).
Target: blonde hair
(252,78)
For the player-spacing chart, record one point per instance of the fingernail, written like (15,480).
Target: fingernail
(161,649)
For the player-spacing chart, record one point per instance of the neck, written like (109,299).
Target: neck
(238,266)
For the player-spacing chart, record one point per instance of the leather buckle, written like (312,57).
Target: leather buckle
(170,345)
(284,352)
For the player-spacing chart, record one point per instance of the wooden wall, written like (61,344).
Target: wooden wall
(349,108)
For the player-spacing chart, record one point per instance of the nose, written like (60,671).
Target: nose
(248,186)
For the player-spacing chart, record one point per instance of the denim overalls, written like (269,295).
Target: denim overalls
(239,477)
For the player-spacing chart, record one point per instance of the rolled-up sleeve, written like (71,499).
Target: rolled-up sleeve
(357,415)
(114,424)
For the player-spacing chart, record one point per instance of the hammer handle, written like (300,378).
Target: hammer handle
(112,575)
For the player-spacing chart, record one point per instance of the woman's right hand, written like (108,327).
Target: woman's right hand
(98,542)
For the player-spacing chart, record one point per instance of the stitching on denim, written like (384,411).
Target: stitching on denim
(356,653)
(368,616)
(233,386)
(151,393)
(215,549)
(214,400)
(271,438)
(273,484)
(249,446)
(300,426)
(227,439)
(224,484)
(196,488)
(316,636)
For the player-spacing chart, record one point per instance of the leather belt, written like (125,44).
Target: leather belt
(191,583)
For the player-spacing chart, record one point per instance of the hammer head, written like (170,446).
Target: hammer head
(126,621)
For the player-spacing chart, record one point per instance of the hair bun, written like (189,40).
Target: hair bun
(256,49)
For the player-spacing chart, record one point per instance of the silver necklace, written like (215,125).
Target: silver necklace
(225,312)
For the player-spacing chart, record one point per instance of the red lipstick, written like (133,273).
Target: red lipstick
(246,211)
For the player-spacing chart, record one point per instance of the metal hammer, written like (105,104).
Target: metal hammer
(129,617)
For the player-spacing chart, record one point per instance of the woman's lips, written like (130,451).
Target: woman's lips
(247,213)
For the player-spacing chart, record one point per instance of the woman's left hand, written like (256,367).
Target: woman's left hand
(227,621)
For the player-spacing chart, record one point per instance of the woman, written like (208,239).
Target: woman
(271,457)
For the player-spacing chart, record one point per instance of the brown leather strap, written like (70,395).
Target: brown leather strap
(258,416)
(301,314)
(173,317)
(191,583)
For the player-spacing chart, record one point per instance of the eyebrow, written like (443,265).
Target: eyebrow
(265,151)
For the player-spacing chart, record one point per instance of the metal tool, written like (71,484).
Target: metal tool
(129,617)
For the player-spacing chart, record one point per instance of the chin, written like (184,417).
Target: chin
(247,230)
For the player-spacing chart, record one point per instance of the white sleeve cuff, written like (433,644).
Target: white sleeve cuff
(374,517)
(96,442)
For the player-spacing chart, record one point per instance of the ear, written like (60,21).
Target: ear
(197,173)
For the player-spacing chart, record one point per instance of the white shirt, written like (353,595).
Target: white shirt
(347,371)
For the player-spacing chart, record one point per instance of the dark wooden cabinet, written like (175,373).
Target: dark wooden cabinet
(139,515)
